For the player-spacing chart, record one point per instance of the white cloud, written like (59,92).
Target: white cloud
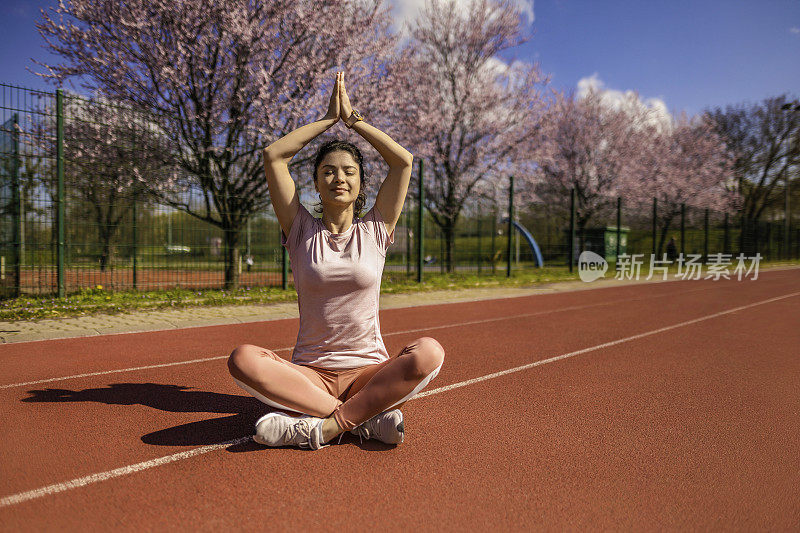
(408,10)
(588,83)
(514,71)
(795,30)
(496,66)
(656,109)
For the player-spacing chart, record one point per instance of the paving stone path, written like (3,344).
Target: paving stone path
(162,319)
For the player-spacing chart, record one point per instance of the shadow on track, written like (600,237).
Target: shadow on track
(170,398)
(179,399)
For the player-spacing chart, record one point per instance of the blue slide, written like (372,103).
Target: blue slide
(531,242)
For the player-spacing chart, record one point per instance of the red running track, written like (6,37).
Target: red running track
(679,410)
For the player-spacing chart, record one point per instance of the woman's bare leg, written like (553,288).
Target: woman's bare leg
(385,385)
(279,383)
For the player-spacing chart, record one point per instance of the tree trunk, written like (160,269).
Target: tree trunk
(448,246)
(108,222)
(106,235)
(662,238)
(105,255)
(231,258)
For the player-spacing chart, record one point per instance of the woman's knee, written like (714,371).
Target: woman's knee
(240,361)
(428,356)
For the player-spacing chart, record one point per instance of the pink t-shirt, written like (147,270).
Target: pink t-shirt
(337,277)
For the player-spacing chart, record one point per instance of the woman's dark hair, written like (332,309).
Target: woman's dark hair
(344,146)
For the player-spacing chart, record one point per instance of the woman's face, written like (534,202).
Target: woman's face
(337,180)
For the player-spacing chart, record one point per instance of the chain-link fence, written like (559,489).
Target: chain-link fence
(89,196)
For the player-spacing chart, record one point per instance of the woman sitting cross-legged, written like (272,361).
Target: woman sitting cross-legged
(341,377)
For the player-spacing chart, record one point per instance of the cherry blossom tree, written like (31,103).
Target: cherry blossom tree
(227,78)
(685,163)
(592,147)
(110,151)
(466,112)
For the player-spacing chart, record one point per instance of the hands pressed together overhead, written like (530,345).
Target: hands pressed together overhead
(339,107)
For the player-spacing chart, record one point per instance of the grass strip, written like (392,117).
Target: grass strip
(100,300)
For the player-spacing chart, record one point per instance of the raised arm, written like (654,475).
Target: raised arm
(392,192)
(282,191)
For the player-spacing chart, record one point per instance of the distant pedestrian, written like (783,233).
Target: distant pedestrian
(672,250)
(249,261)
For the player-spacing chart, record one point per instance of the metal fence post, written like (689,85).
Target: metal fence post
(453,264)
(705,236)
(60,207)
(683,229)
(619,230)
(655,223)
(408,242)
(494,234)
(742,224)
(420,225)
(510,224)
(756,237)
(797,243)
(479,239)
(725,236)
(441,252)
(768,252)
(134,224)
(786,220)
(571,251)
(16,210)
(135,238)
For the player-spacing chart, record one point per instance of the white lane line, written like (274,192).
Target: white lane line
(89,374)
(289,348)
(598,347)
(125,470)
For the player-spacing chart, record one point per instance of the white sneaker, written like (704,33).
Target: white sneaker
(386,427)
(280,429)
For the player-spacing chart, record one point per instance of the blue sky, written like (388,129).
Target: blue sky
(690,55)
